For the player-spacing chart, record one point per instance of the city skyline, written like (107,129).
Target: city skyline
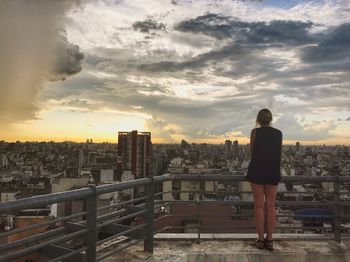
(193,70)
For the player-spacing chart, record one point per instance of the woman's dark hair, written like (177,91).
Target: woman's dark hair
(264,117)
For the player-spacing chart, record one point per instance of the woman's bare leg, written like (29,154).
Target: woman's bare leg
(270,195)
(265,216)
(258,195)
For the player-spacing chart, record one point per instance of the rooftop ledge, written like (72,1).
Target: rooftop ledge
(238,247)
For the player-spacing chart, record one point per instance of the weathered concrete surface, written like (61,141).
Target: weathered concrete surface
(237,250)
(244,236)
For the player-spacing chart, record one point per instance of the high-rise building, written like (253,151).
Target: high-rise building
(235,149)
(92,158)
(82,158)
(134,153)
(228,146)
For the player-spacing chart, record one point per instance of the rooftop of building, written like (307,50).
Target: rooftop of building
(237,247)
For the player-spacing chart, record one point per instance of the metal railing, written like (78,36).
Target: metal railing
(103,231)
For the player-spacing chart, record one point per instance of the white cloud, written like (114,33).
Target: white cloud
(207,85)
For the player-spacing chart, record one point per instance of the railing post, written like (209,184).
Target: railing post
(199,220)
(149,216)
(91,222)
(336,199)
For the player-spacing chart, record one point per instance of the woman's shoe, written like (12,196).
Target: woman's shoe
(268,244)
(259,243)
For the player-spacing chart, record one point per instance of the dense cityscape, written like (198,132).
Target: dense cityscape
(29,166)
(36,168)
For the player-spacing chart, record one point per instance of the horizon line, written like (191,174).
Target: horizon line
(310,143)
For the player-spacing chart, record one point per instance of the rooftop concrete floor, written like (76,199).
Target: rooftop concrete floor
(223,249)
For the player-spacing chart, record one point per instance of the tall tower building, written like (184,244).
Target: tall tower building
(235,149)
(228,146)
(82,158)
(134,153)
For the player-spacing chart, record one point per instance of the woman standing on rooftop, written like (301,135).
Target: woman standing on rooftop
(264,175)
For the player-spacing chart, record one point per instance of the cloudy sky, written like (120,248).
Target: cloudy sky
(198,70)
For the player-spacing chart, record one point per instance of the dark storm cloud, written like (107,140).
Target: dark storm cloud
(247,38)
(325,66)
(277,31)
(148,25)
(231,52)
(33,50)
(68,60)
(95,59)
(78,86)
(334,47)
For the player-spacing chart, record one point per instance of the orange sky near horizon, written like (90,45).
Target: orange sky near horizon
(29,134)
(60,125)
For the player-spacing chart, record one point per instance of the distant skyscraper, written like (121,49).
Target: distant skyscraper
(134,153)
(228,146)
(82,158)
(297,145)
(235,149)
